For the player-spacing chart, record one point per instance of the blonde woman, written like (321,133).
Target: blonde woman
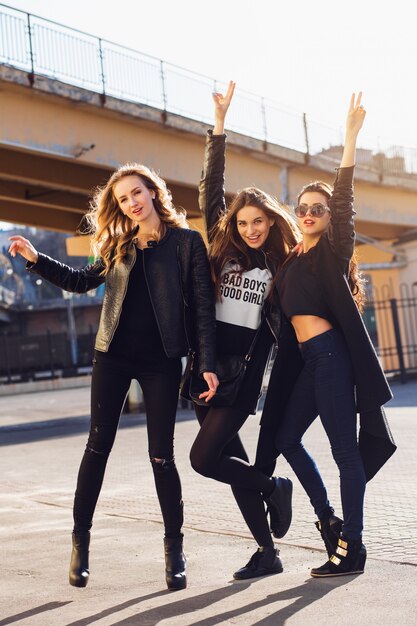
(158,304)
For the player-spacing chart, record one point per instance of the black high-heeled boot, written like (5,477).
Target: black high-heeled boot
(175,563)
(330,528)
(348,558)
(79,569)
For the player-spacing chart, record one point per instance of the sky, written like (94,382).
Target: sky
(305,55)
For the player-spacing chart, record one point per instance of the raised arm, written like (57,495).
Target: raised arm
(211,188)
(221,106)
(341,231)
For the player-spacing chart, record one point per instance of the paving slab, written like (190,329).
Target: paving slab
(42,437)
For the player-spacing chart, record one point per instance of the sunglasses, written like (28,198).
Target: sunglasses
(316,210)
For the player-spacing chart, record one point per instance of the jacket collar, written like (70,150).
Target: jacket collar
(157,243)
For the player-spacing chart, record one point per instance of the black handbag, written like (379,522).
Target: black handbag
(230,370)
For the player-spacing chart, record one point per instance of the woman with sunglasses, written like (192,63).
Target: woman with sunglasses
(321,293)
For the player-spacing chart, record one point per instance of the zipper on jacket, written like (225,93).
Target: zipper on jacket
(266,315)
(273,332)
(183,297)
(150,298)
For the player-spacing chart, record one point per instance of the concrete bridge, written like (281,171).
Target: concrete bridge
(72,108)
(57,142)
(61,136)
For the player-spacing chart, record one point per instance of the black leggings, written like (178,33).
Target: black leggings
(218,453)
(111,380)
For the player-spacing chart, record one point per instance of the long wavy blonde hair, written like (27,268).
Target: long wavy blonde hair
(112,231)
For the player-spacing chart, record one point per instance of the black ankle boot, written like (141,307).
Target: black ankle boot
(264,562)
(348,558)
(279,507)
(330,528)
(174,564)
(79,570)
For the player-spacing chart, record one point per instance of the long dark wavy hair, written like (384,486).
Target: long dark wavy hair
(227,244)
(355,279)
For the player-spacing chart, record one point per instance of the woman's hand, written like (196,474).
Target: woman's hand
(23,247)
(354,121)
(298,249)
(356,116)
(212,382)
(221,105)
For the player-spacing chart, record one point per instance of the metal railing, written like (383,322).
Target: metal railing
(392,326)
(43,47)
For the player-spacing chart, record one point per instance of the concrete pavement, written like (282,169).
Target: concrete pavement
(42,436)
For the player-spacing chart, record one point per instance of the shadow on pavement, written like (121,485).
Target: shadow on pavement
(36,611)
(303,595)
(119,607)
(153,616)
(67,427)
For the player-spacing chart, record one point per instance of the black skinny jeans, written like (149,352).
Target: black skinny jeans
(218,453)
(111,379)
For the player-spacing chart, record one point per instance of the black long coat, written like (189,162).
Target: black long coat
(331,257)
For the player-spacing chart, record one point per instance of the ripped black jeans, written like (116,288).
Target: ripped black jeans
(111,379)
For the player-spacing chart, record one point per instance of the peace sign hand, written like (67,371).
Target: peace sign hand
(222,103)
(356,115)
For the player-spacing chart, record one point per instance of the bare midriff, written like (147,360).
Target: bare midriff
(308,326)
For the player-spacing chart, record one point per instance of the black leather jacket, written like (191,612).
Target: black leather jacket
(212,204)
(180,290)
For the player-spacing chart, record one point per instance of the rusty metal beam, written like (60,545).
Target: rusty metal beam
(36,195)
(35,169)
(39,216)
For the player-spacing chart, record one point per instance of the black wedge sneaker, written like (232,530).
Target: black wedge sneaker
(330,527)
(348,558)
(264,562)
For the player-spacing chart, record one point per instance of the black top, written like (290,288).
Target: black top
(180,289)
(299,289)
(137,334)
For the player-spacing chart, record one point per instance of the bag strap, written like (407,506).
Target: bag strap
(249,353)
(192,354)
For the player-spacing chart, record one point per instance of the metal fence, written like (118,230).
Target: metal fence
(43,356)
(43,47)
(392,325)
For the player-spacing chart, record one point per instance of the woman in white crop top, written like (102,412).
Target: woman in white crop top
(248,243)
